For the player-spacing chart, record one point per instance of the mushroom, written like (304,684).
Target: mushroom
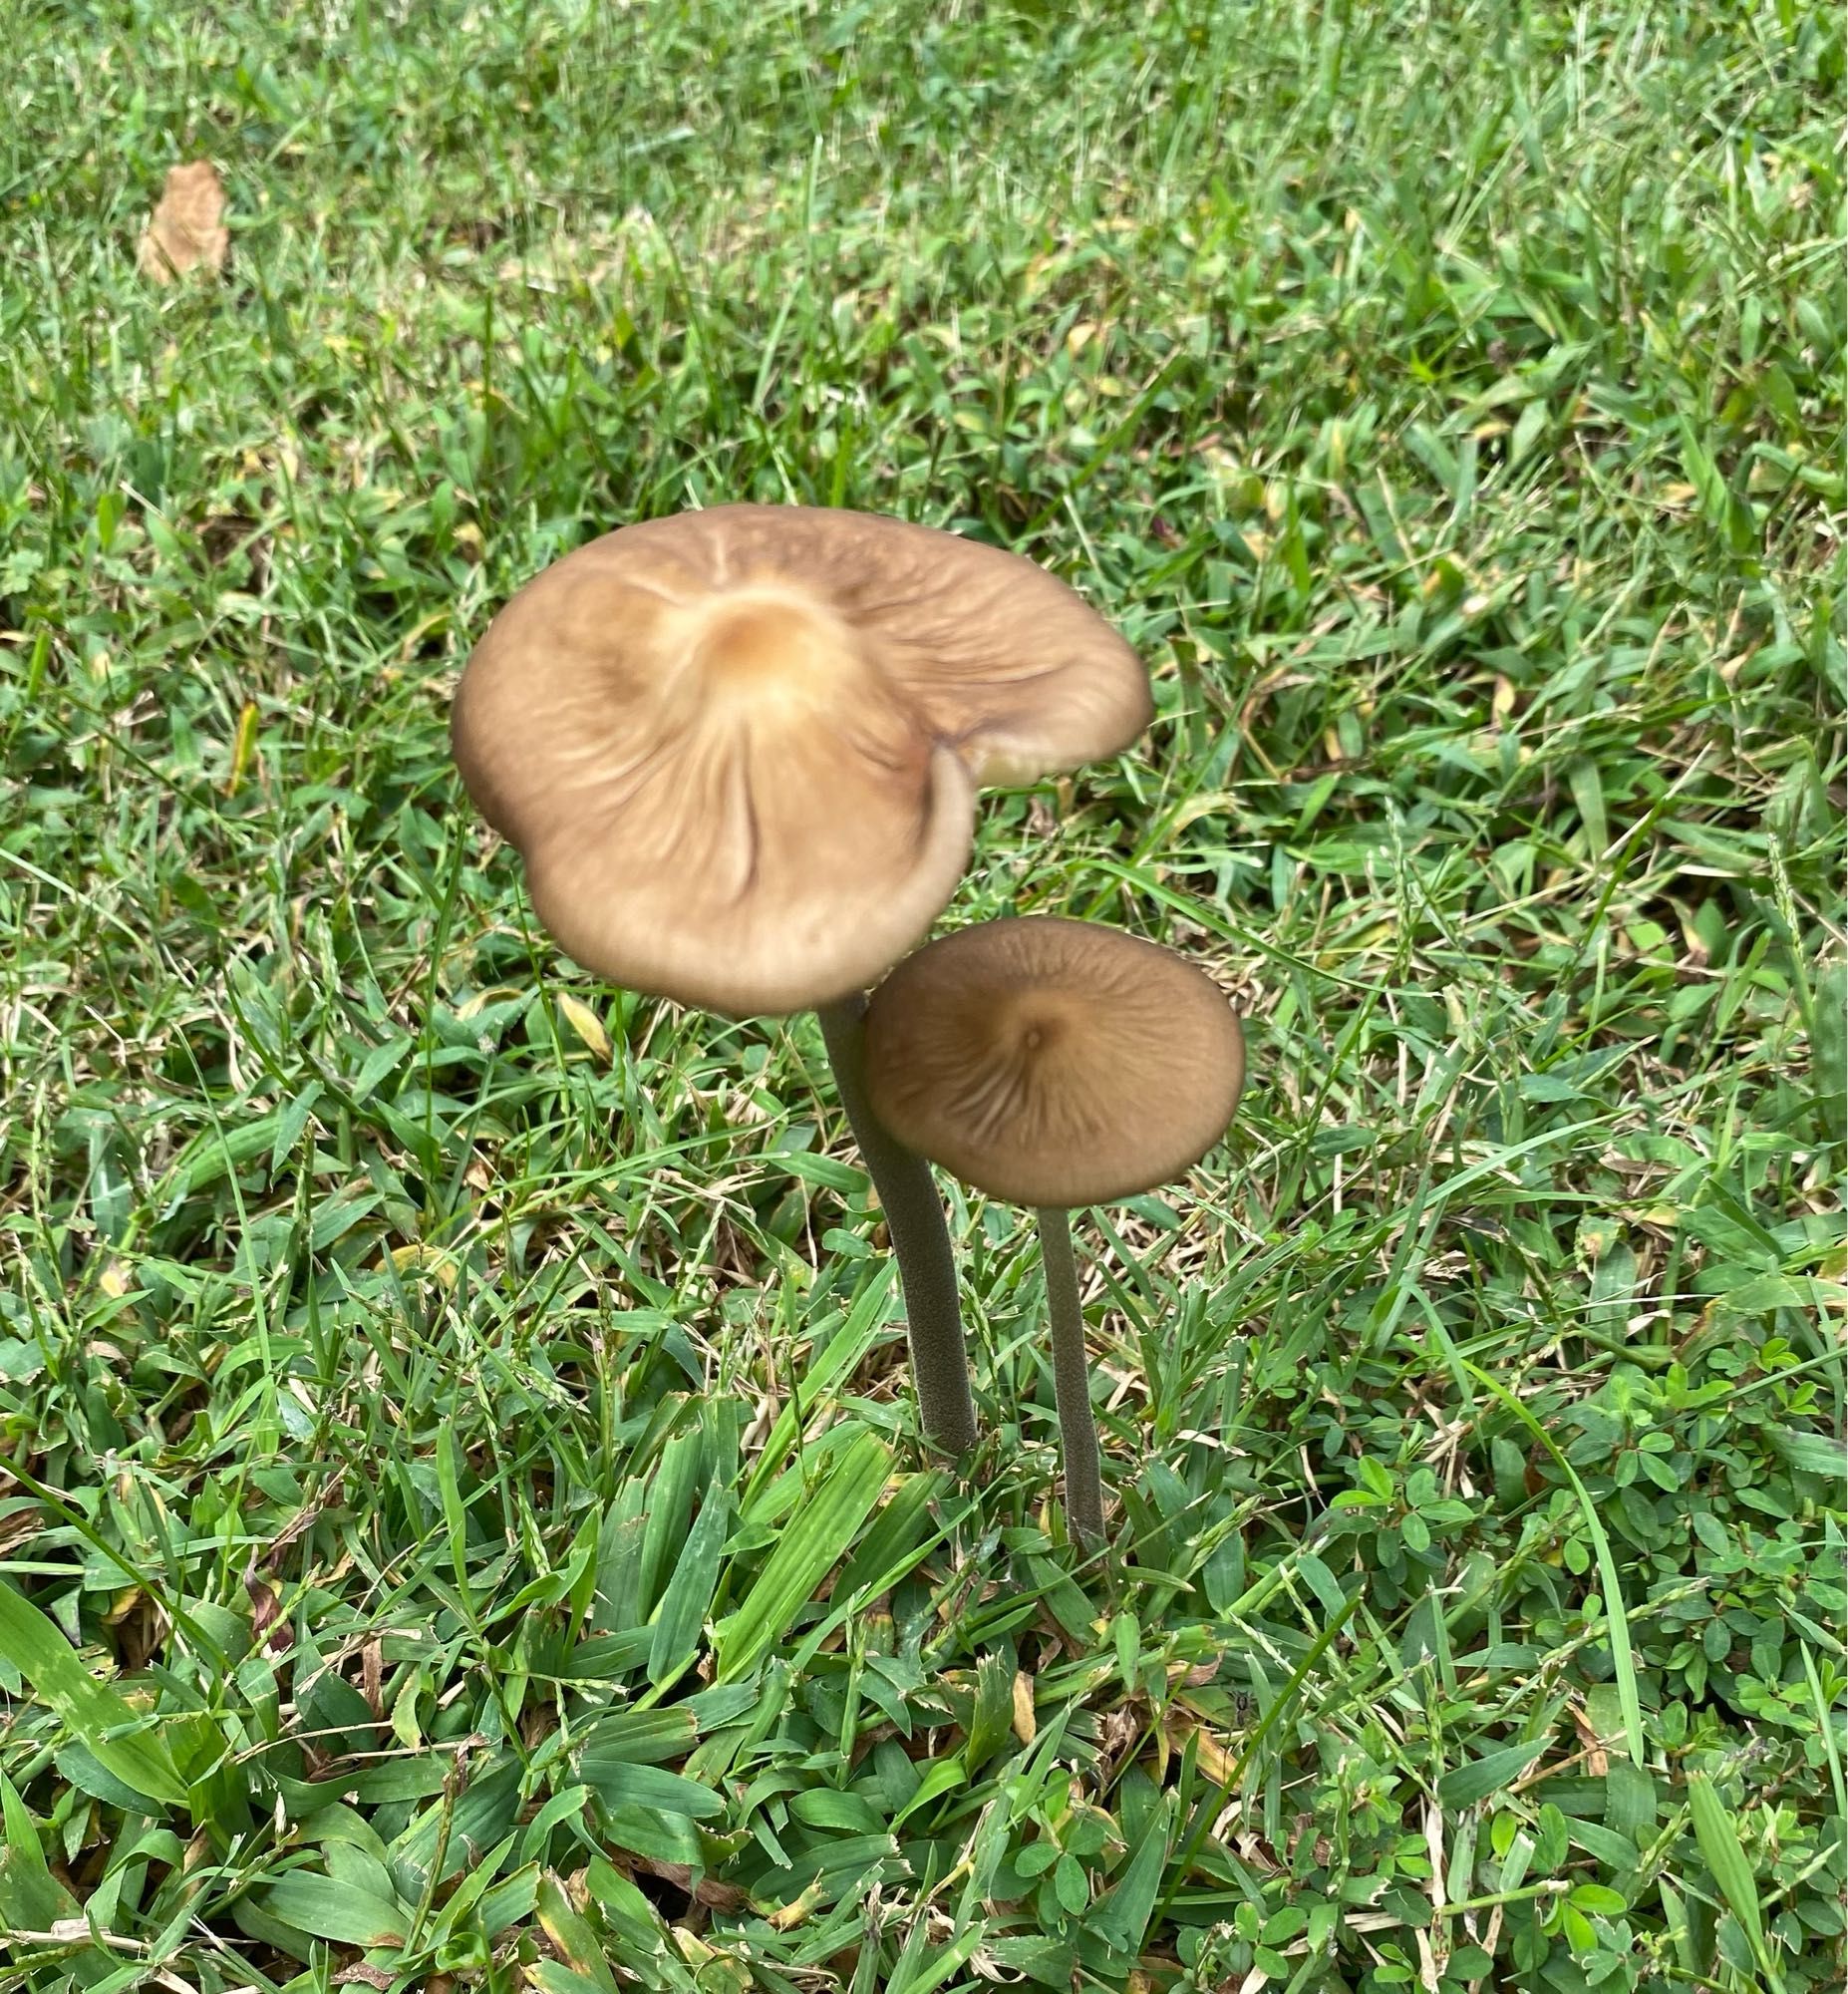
(1056,1063)
(738,752)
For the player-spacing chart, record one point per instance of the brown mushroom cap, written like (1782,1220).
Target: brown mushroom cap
(1054,1063)
(737,749)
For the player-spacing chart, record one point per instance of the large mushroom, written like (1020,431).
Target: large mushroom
(738,752)
(1056,1063)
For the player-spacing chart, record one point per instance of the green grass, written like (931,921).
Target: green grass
(475,1463)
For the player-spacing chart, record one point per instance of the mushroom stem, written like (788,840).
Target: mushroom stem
(1077,1432)
(920,1240)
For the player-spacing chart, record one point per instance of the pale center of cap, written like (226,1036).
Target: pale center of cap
(768,650)
(1033,1027)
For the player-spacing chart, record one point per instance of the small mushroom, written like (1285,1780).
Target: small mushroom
(738,752)
(1056,1063)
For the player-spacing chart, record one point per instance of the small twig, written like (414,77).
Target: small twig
(74,1932)
(1554,1887)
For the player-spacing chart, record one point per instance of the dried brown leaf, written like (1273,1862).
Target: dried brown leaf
(1597,1760)
(1213,1754)
(796,1911)
(1025,1721)
(265,1611)
(186,230)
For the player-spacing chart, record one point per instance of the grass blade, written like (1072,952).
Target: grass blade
(818,1533)
(92,1711)
(1718,1837)
(30,1898)
(326,1907)
(1615,1612)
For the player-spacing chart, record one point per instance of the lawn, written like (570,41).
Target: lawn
(463,1515)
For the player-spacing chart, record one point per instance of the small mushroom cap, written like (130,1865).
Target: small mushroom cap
(1054,1063)
(738,750)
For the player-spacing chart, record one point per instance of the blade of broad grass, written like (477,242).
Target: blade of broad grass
(690,1589)
(1615,1615)
(455,1512)
(1493,1772)
(922,1971)
(820,1532)
(846,1348)
(899,1539)
(577,1944)
(1718,1837)
(620,1780)
(648,1736)
(332,1909)
(1826,1725)
(1122,1920)
(1675,1916)
(30,1898)
(95,1714)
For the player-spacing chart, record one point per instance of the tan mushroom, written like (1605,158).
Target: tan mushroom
(1056,1063)
(738,752)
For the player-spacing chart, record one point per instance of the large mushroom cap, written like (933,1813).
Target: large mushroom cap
(1054,1063)
(737,749)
